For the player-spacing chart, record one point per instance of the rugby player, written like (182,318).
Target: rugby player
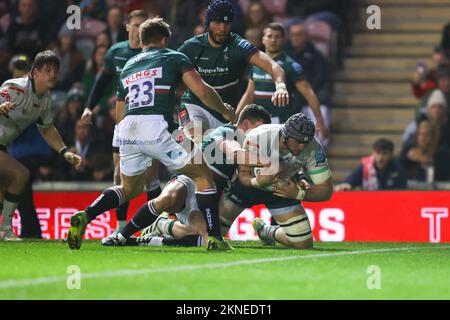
(115,59)
(24,101)
(221,57)
(222,150)
(146,91)
(260,87)
(295,147)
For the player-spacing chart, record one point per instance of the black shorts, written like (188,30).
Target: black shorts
(247,197)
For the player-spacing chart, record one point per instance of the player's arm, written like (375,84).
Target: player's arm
(207,94)
(263,61)
(10,98)
(53,138)
(236,154)
(247,98)
(100,85)
(307,91)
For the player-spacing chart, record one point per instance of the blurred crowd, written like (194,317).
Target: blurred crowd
(317,31)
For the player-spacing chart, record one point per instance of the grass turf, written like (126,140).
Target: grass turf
(38,270)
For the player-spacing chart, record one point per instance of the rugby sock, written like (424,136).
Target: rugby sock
(151,242)
(187,241)
(121,211)
(208,203)
(9,206)
(145,216)
(153,190)
(166,225)
(109,199)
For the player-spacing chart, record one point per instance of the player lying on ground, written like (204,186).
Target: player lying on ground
(24,101)
(296,148)
(147,88)
(293,147)
(115,60)
(222,144)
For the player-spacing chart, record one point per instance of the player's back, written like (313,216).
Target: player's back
(149,79)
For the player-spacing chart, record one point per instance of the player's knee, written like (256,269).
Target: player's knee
(166,201)
(298,232)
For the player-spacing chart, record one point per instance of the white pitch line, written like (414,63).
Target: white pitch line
(133,272)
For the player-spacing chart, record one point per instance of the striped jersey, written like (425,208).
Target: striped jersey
(222,67)
(29,109)
(149,79)
(265,87)
(265,139)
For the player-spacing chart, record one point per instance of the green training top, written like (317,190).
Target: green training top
(116,57)
(265,87)
(222,68)
(149,79)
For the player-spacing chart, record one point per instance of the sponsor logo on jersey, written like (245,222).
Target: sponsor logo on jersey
(147,73)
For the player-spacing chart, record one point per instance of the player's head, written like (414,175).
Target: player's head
(19,65)
(45,69)
(218,20)
(273,37)
(135,19)
(297,132)
(153,32)
(383,150)
(253,116)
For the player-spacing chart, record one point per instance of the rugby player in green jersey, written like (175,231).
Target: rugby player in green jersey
(115,60)
(147,91)
(24,101)
(261,88)
(223,151)
(222,57)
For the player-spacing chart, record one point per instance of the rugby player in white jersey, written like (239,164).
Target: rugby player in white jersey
(22,102)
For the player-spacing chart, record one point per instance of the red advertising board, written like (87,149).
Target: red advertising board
(396,216)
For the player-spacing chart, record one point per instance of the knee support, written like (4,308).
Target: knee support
(297,229)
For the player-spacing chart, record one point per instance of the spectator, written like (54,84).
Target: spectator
(72,61)
(116,31)
(445,40)
(316,68)
(19,66)
(67,117)
(257,15)
(437,113)
(102,40)
(26,33)
(423,151)
(254,35)
(379,171)
(198,30)
(426,80)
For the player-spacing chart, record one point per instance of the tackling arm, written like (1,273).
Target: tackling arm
(207,94)
(247,98)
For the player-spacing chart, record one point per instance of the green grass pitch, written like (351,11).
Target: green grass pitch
(39,270)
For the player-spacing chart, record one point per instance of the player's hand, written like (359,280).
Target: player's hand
(230,113)
(289,189)
(73,159)
(267,177)
(280,97)
(6,107)
(86,117)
